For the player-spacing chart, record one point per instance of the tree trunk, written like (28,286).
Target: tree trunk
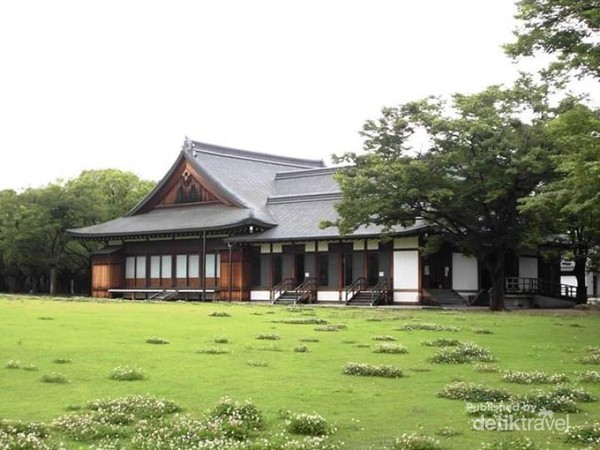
(579,272)
(53,281)
(495,265)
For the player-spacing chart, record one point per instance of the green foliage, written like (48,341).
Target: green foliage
(511,443)
(156,340)
(12,364)
(301,349)
(370,370)
(34,247)
(557,399)
(427,326)
(184,432)
(384,337)
(25,435)
(389,348)
(461,354)
(141,406)
(240,418)
(416,441)
(481,157)
(486,368)
(589,376)
(55,378)
(220,314)
(253,363)
(61,361)
(471,392)
(567,206)
(585,434)
(268,336)
(331,327)
(303,321)
(213,350)
(127,373)
(536,377)
(568,30)
(308,424)
(482,331)
(442,342)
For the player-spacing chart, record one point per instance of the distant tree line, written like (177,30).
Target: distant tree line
(36,255)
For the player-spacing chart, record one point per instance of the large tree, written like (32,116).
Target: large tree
(566,29)
(569,205)
(479,158)
(33,244)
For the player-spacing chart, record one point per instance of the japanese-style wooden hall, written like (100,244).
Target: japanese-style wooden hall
(237,225)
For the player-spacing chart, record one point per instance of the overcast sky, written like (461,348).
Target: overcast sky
(98,84)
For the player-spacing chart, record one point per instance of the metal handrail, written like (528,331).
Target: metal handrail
(306,289)
(287,284)
(380,290)
(539,286)
(354,288)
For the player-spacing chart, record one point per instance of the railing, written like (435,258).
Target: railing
(380,291)
(525,285)
(287,284)
(360,284)
(563,291)
(542,287)
(307,290)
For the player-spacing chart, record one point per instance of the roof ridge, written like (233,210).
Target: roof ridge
(212,149)
(306,172)
(296,198)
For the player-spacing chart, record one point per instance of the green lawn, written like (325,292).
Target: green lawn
(368,412)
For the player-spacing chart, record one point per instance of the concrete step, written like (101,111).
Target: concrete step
(446,297)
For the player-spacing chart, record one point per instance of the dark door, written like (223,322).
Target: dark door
(277,268)
(299,268)
(347,269)
(437,269)
(372,268)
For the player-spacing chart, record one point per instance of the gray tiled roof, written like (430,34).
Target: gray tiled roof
(182,219)
(306,182)
(300,220)
(289,197)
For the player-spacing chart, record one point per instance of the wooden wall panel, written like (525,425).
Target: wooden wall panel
(240,276)
(107,273)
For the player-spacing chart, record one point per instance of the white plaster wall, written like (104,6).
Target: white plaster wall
(464,272)
(328,296)
(571,280)
(528,267)
(260,295)
(406,242)
(372,244)
(358,245)
(406,269)
(406,297)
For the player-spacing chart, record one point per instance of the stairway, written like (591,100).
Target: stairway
(447,297)
(287,298)
(363,298)
(164,295)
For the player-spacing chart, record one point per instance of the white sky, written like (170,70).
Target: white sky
(98,84)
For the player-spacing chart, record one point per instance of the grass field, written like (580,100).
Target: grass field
(85,341)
